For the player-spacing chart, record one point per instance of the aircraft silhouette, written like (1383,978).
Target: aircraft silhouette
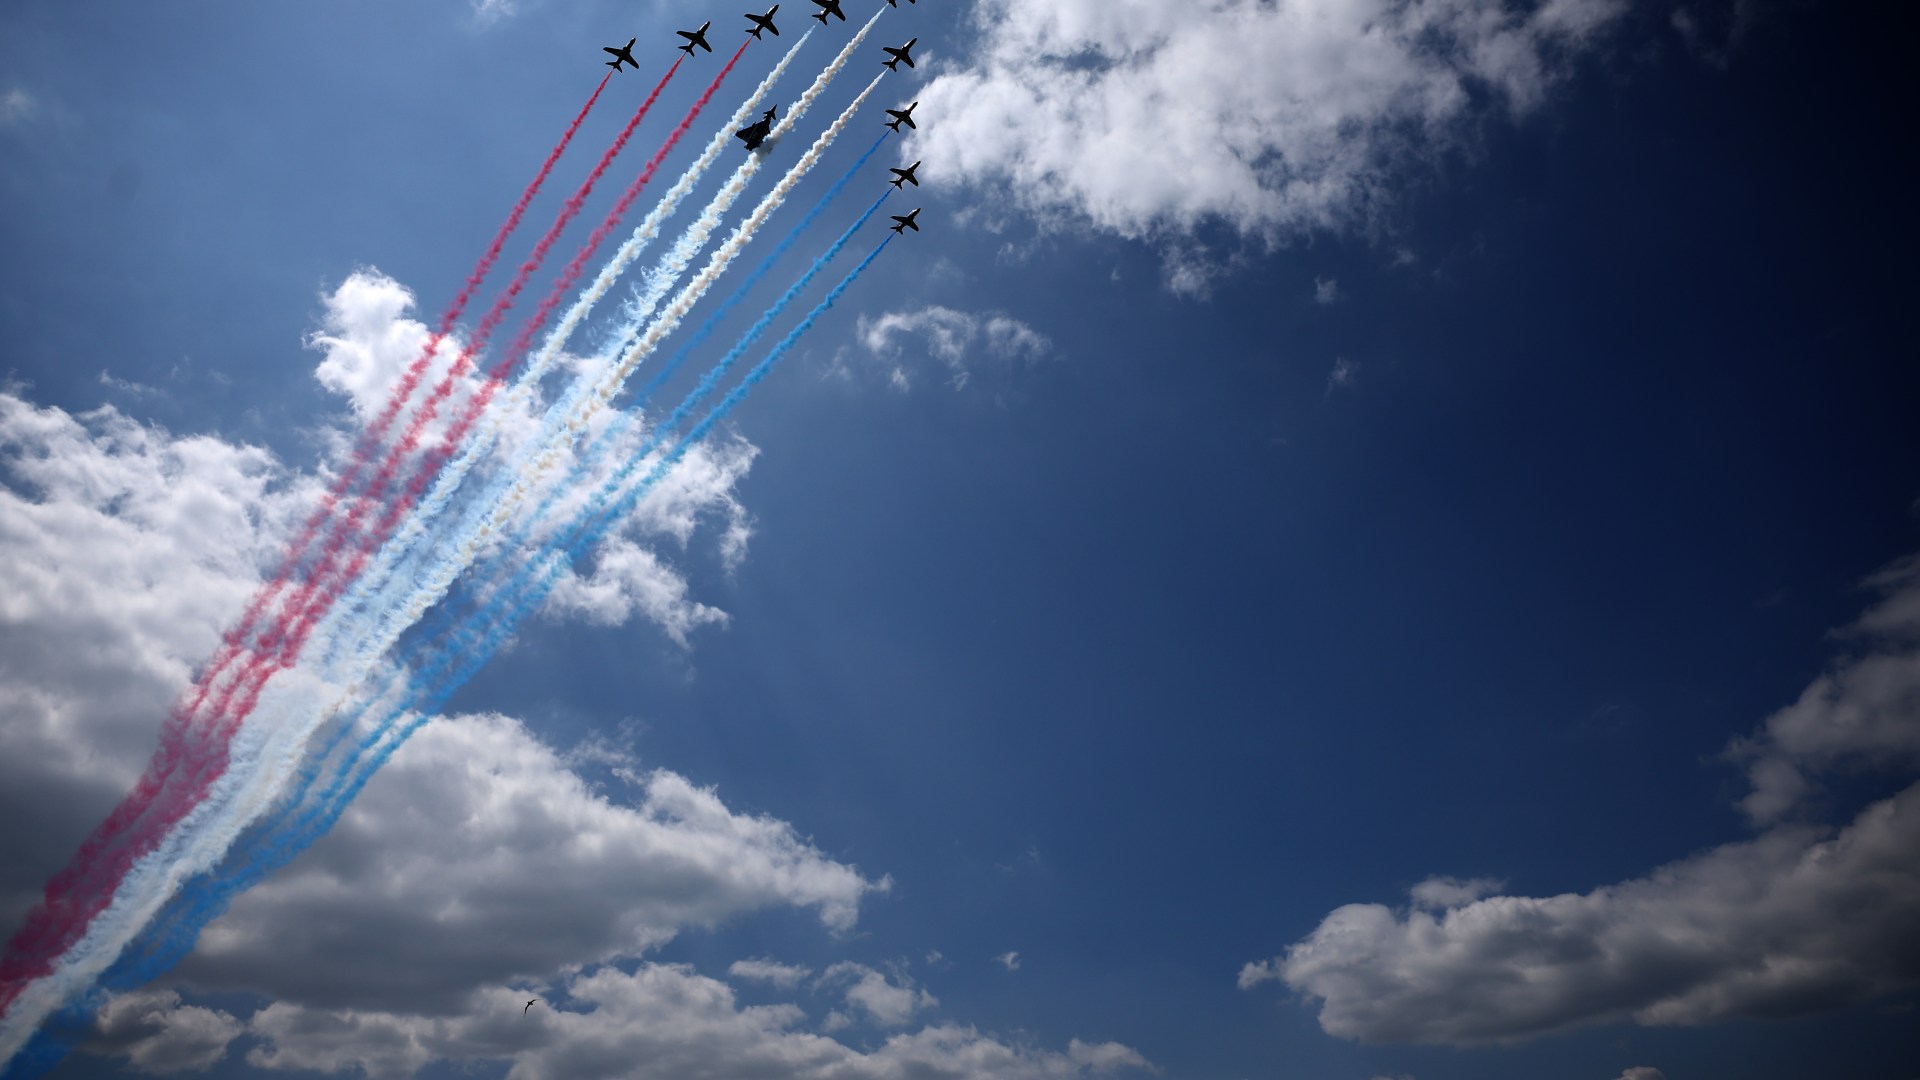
(899,55)
(763,22)
(906,222)
(699,38)
(828,7)
(904,176)
(756,133)
(903,116)
(890,3)
(623,54)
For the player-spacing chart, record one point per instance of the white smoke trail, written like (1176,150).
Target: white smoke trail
(485,438)
(264,753)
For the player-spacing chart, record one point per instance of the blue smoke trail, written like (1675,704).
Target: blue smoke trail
(211,893)
(446,613)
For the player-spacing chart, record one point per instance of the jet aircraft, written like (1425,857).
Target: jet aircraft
(890,3)
(900,54)
(763,22)
(623,54)
(699,38)
(828,7)
(907,222)
(756,133)
(904,176)
(902,116)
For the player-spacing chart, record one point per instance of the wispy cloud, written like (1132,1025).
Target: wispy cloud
(17,107)
(957,339)
(1799,919)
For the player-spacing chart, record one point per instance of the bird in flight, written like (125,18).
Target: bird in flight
(523,1012)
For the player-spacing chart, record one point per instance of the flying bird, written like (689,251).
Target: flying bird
(898,55)
(828,7)
(529,1005)
(906,222)
(699,38)
(902,116)
(763,22)
(623,54)
(904,176)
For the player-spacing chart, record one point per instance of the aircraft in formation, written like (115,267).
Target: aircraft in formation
(756,133)
(890,3)
(763,22)
(899,55)
(622,55)
(699,38)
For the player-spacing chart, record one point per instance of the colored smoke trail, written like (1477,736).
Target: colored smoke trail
(139,910)
(209,895)
(79,891)
(490,513)
(391,558)
(206,763)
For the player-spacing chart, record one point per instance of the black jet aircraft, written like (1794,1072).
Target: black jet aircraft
(756,133)
(699,38)
(904,176)
(899,55)
(763,22)
(828,7)
(890,3)
(905,223)
(902,116)
(623,54)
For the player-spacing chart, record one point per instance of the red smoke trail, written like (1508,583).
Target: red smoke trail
(78,892)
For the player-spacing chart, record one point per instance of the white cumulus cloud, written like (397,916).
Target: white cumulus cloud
(661,1022)
(1270,116)
(1798,919)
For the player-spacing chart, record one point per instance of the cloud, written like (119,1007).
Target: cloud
(123,551)
(1009,960)
(1441,893)
(367,343)
(1325,290)
(157,1034)
(769,971)
(955,338)
(1801,918)
(1859,715)
(885,1003)
(1345,372)
(1273,119)
(17,107)
(1643,1072)
(476,857)
(659,1022)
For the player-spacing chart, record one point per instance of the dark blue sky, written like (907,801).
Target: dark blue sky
(1142,658)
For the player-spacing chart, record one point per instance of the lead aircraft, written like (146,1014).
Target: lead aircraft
(756,133)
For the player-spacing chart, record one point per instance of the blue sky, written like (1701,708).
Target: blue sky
(1275,554)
